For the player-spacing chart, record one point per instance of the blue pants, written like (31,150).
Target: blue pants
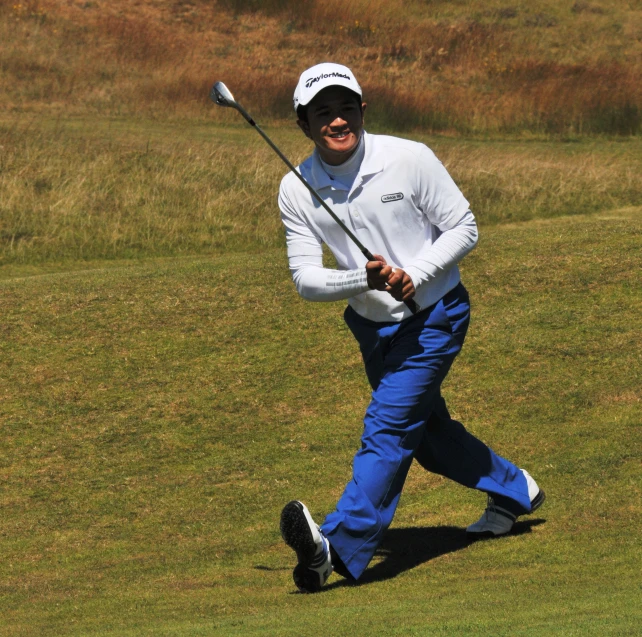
(407,418)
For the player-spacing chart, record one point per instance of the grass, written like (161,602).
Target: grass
(87,189)
(164,392)
(157,413)
(545,67)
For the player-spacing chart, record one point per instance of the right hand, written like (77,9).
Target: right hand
(378,272)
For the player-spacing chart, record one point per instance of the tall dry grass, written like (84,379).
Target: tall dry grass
(67,195)
(550,67)
(94,190)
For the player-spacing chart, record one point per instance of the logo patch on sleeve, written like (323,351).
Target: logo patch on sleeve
(395,196)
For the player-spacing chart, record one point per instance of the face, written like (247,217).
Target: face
(335,123)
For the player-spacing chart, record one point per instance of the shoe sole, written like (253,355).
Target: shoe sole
(296,533)
(537,502)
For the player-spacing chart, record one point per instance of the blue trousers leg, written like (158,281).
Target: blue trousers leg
(449,450)
(407,417)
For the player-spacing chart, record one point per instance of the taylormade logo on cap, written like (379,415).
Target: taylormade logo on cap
(321,76)
(312,80)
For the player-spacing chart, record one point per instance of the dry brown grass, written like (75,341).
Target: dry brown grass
(551,67)
(90,189)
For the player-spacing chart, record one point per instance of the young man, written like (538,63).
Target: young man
(400,201)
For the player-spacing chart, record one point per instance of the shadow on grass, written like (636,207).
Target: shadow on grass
(403,549)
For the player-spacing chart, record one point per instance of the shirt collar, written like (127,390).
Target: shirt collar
(318,178)
(373,162)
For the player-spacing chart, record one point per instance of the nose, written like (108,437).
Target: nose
(338,121)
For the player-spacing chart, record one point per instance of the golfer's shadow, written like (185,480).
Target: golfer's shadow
(403,549)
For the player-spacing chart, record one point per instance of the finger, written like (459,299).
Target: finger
(374,265)
(408,287)
(395,277)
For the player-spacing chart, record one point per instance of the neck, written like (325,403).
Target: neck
(347,165)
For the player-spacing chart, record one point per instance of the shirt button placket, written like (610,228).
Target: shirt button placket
(355,216)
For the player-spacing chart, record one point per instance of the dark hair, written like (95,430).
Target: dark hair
(302,113)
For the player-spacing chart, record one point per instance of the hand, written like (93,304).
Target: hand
(400,285)
(378,272)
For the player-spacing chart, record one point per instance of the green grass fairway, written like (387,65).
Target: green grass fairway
(156,415)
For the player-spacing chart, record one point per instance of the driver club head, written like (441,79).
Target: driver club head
(221,95)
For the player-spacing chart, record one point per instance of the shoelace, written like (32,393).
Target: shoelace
(495,510)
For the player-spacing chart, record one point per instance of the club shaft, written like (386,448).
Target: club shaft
(412,306)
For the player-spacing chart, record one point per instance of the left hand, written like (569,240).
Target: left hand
(400,285)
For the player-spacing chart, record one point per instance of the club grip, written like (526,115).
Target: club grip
(412,306)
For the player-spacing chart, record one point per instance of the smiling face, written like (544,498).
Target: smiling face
(334,123)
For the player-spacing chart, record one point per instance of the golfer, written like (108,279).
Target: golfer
(400,201)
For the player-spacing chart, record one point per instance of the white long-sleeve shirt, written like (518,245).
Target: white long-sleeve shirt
(402,204)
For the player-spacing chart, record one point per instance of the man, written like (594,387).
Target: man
(401,202)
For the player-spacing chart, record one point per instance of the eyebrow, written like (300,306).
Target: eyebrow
(343,104)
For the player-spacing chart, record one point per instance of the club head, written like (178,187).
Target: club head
(221,95)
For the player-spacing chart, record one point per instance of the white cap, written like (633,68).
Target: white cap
(321,76)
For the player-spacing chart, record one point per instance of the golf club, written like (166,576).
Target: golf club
(222,96)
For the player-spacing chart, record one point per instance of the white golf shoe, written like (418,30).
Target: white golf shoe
(498,521)
(302,535)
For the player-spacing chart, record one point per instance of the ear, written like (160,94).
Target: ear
(363,108)
(305,127)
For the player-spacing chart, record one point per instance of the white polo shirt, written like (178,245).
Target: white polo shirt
(402,205)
